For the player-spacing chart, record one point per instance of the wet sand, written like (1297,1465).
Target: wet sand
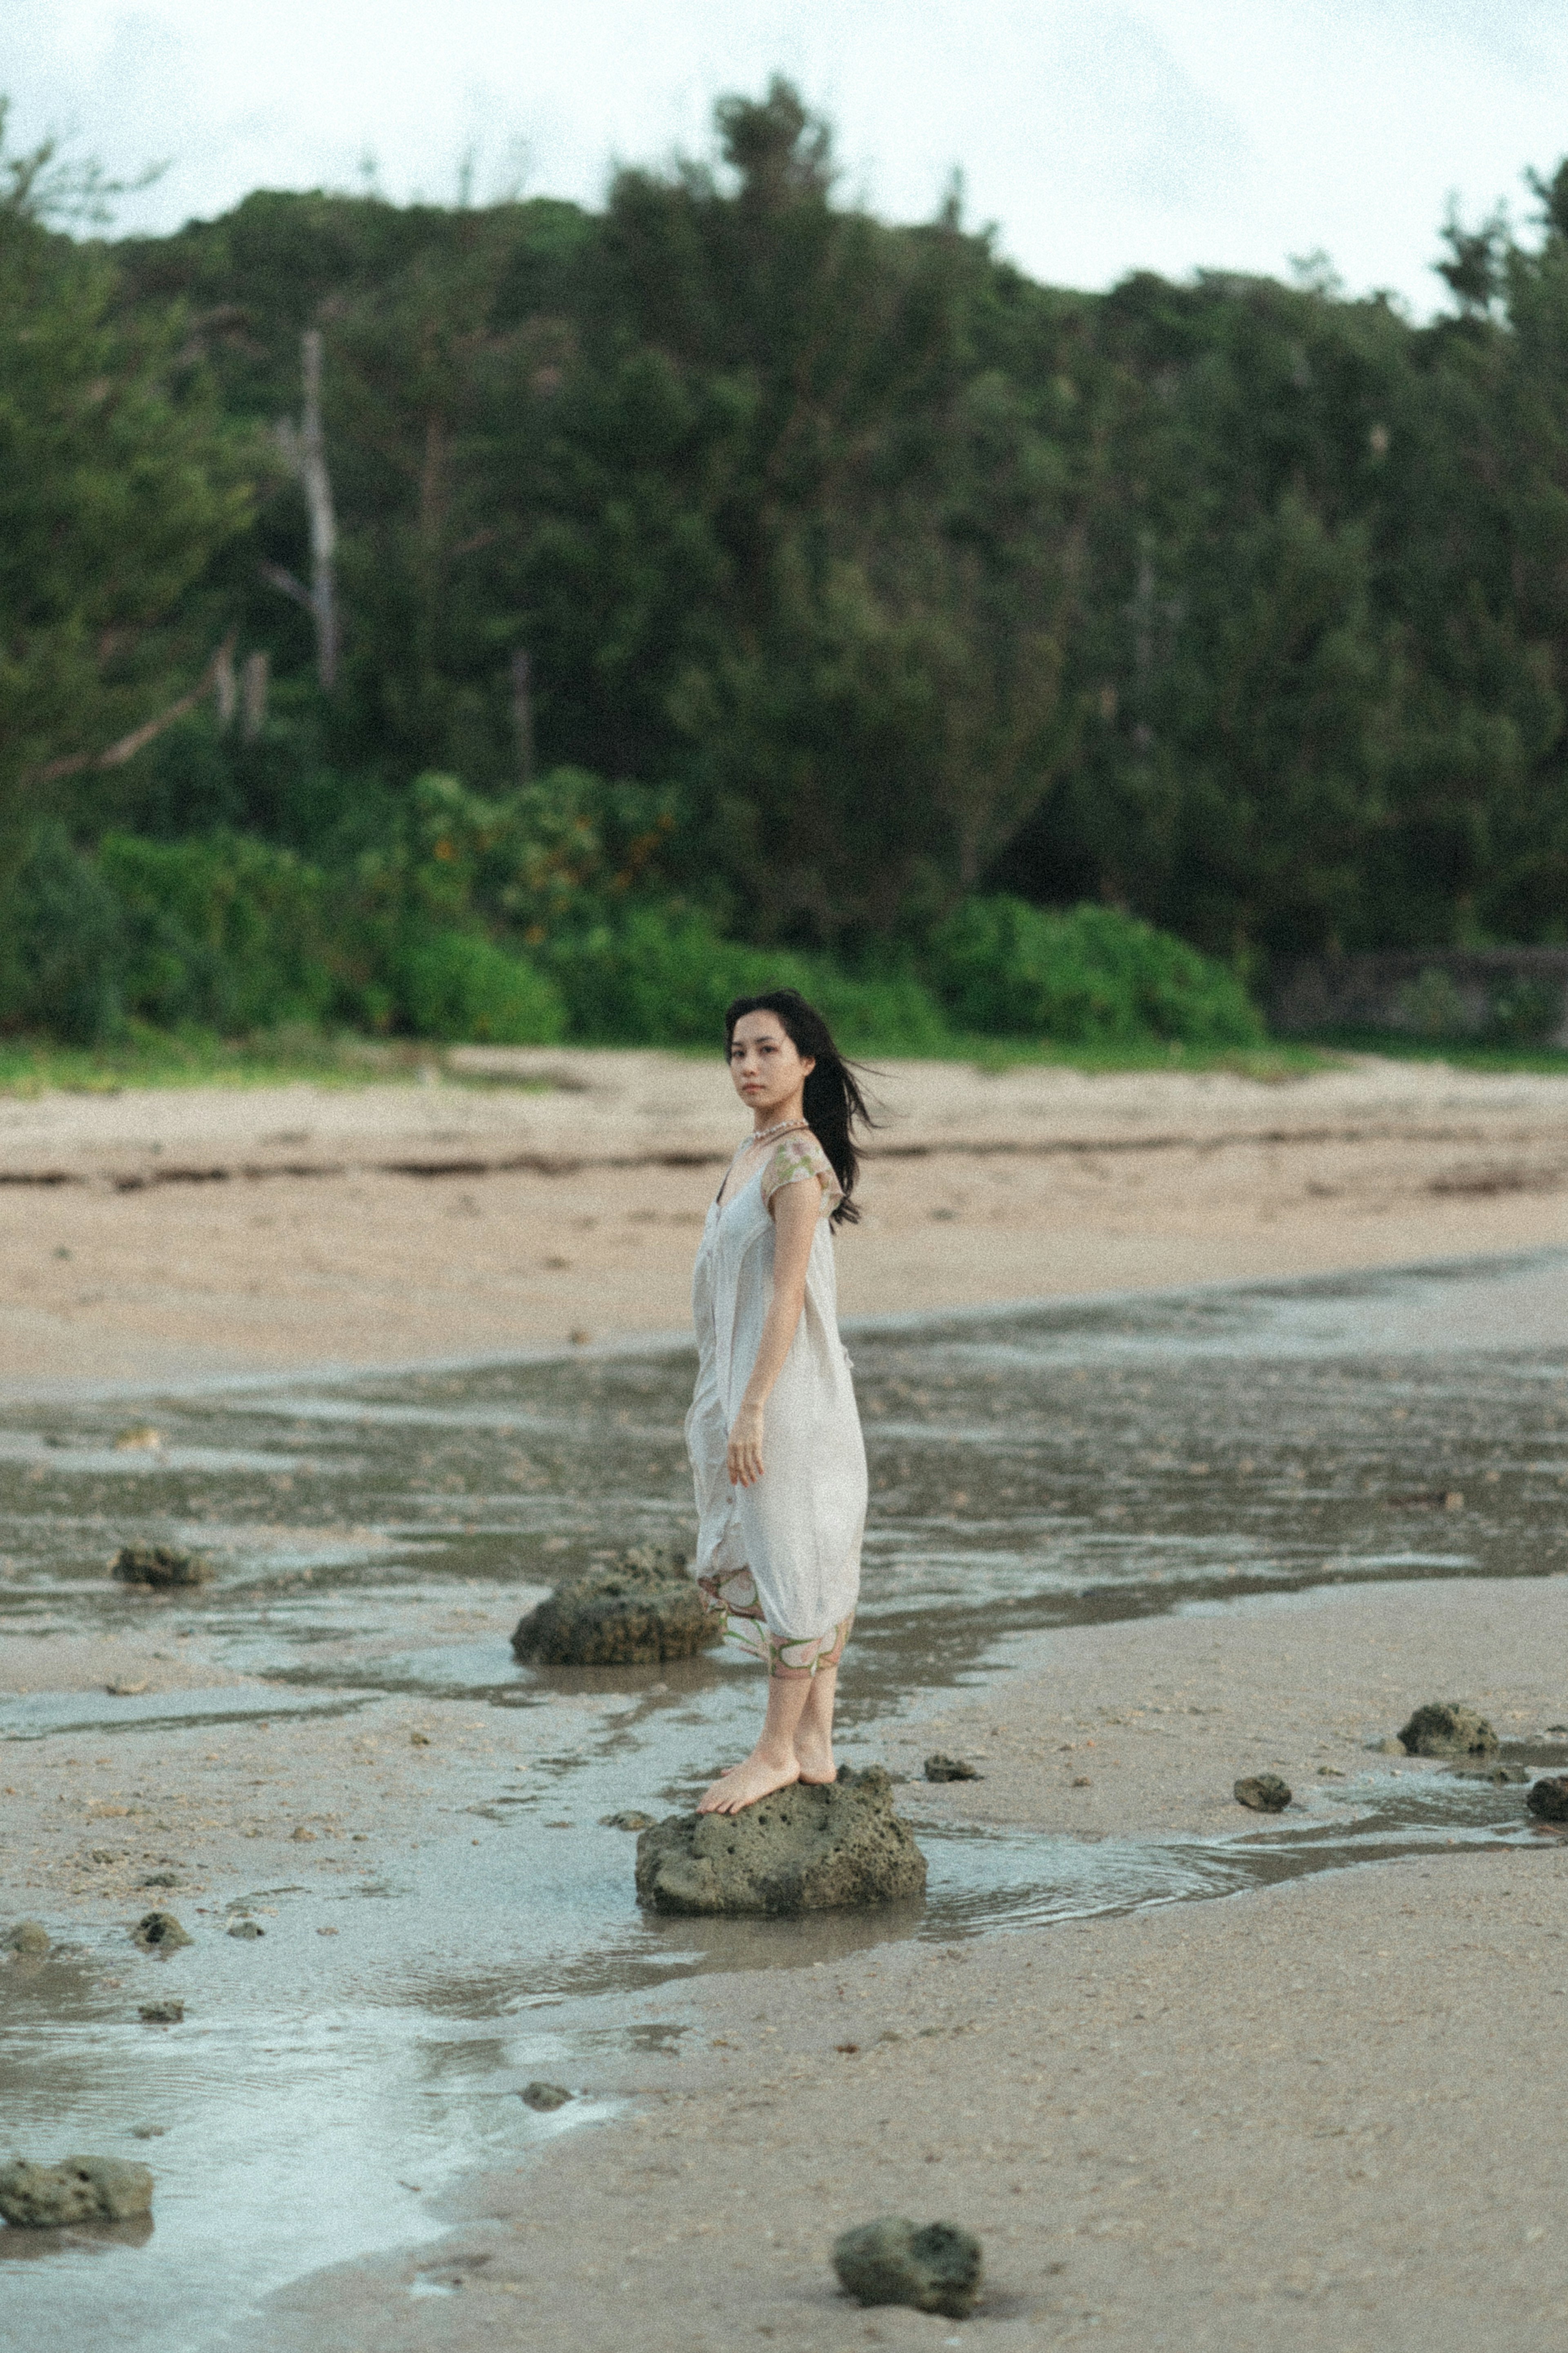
(1317,2116)
(540,1200)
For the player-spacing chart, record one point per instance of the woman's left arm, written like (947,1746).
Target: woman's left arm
(795,1209)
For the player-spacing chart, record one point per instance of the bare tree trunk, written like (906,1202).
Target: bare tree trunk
(305,447)
(522,716)
(225,692)
(114,755)
(254,680)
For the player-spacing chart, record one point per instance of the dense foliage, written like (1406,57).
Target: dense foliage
(787,591)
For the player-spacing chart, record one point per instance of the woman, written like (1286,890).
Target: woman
(772,1433)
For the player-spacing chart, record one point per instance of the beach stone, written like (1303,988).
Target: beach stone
(162,2013)
(80,2189)
(628,1820)
(936,2268)
(159,1932)
(630,1612)
(160,1567)
(942,1768)
(803,1849)
(250,1929)
(544,2096)
(1548,1798)
(1446,1727)
(1390,1746)
(1265,1793)
(29,1939)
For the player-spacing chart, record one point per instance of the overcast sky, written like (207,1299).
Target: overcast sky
(1163,135)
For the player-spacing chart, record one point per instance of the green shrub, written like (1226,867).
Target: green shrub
(662,976)
(64,947)
(896,1015)
(460,984)
(225,932)
(1090,976)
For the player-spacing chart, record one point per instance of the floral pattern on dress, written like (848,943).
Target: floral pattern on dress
(795,1159)
(744,1626)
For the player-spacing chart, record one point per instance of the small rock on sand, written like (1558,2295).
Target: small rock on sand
(804,1849)
(159,1932)
(942,1768)
(246,1929)
(82,2190)
(29,1939)
(162,2013)
(1548,1798)
(1446,1727)
(159,1566)
(629,1819)
(631,1612)
(544,2096)
(934,2269)
(1265,1793)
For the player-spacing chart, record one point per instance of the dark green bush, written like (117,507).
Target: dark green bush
(64,946)
(661,977)
(1090,976)
(460,984)
(893,1016)
(227,931)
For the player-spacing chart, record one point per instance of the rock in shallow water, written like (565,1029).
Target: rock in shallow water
(159,1932)
(162,2013)
(544,2096)
(628,1818)
(82,2190)
(160,1567)
(29,1939)
(1547,1800)
(933,2269)
(942,1768)
(631,1612)
(801,1850)
(1446,1727)
(1265,1793)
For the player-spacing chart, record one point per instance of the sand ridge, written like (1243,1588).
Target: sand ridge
(190,1231)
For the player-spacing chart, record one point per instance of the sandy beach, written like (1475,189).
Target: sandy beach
(1316,2115)
(547,1199)
(1313,2117)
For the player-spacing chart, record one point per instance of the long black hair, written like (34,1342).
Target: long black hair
(834,1106)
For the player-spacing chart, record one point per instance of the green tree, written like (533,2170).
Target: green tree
(119,483)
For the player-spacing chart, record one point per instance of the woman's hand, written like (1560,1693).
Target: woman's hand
(743,1455)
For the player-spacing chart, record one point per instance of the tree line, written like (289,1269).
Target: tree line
(742,552)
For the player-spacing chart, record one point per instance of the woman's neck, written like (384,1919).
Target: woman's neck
(767,1123)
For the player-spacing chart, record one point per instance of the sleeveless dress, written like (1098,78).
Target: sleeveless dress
(781,1558)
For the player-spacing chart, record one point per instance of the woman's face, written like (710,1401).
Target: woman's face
(768,1070)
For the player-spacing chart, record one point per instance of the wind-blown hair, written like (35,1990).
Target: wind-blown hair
(834,1106)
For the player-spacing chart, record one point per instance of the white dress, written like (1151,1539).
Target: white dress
(781,1558)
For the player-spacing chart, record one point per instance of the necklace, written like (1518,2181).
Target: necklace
(760,1134)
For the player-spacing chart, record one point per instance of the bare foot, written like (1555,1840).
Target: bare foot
(758,1777)
(814,1755)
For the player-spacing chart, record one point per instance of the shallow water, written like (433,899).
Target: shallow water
(1033,1469)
